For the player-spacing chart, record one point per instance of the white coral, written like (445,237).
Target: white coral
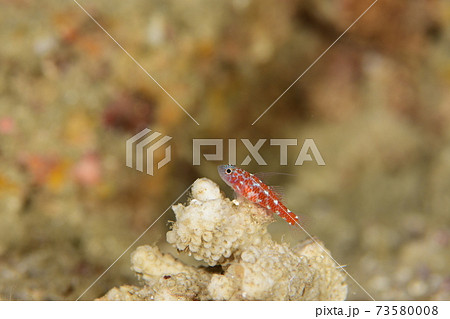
(212,227)
(234,236)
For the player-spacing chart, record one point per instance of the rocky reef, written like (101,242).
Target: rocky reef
(242,262)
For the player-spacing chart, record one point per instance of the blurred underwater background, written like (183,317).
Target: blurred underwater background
(377,106)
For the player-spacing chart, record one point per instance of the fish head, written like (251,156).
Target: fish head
(228,173)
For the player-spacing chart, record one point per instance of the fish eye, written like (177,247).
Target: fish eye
(228,171)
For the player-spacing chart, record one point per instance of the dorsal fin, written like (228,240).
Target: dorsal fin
(278,190)
(266,176)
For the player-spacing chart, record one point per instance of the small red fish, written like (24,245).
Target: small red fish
(251,187)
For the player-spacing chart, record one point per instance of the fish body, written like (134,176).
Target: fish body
(252,188)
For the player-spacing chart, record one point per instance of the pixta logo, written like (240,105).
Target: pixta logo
(253,149)
(151,146)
